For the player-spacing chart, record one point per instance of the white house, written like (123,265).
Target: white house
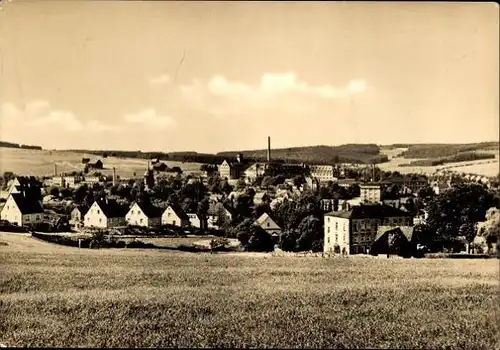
(105,214)
(145,215)
(194,220)
(268,224)
(77,216)
(22,210)
(174,215)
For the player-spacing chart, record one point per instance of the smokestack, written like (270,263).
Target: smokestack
(114,176)
(268,149)
(55,169)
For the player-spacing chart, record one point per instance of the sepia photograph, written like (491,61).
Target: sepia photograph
(249,174)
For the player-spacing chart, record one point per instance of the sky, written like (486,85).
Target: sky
(217,76)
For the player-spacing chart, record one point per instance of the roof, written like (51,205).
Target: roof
(366,211)
(407,231)
(26,205)
(265,217)
(179,211)
(83,209)
(214,208)
(150,210)
(111,208)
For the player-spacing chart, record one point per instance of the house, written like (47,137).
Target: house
(194,220)
(346,182)
(66,181)
(253,172)
(354,231)
(105,214)
(323,173)
(219,213)
(328,205)
(22,210)
(175,216)
(371,193)
(143,214)
(160,167)
(92,179)
(261,197)
(233,170)
(29,186)
(268,224)
(77,216)
(393,240)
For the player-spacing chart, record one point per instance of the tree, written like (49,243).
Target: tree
(311,233)
(490,229)
(240,184)
(80,193)
(259,240)
(459,205)
(54,191)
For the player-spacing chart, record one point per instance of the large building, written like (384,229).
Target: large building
(233,170)
(323,173)
(354,231)
(370,193)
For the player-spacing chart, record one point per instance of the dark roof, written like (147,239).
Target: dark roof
(28,181)
(83,209)
(150,210)
(112,209)
(179,211)
(26,205)
(366,211)
(407,231)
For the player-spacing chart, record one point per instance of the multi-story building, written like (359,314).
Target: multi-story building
(323,173)
(371,193)
(354,231)
(233,170)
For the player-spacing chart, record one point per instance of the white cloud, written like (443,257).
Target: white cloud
(276,92)
(160,80)
(98,126)
(149,118)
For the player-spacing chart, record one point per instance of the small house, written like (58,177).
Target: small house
(77,216)
(105,214)
(175,216)
(142,214)
(194,220)
(268,224)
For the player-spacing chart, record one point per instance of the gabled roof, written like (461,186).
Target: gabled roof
(27,205)
(149,209)
(179,211)
(111,208)
(407,231)
(266,218)
(368,211)
(214,208)
(83,209)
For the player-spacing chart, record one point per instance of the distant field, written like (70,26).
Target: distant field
(57,296)
(486,167)
(41,163)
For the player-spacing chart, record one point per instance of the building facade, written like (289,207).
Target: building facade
(323,173)
(143,215)
(104,214)
(22,210)
(174,216)
(371,193)
(354,231)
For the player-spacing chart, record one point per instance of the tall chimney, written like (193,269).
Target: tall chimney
(268,149)
(114,176)
(55,169)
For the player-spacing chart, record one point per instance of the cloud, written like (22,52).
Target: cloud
(149,118)
(39,115)
(160,80)
(276,92)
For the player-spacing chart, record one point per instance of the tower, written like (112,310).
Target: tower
(114,176)
(268,149)
(55,169)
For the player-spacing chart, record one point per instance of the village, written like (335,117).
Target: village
(338,209)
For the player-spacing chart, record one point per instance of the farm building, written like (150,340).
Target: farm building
(22,210)
(142,214)
(195,220)
(268,224)
(96,165)
(393,240)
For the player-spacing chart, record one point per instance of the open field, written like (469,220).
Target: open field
(486,167)
(59,296)
(41,163)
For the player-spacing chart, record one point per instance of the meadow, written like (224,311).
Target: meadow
(41,163)
(58,296)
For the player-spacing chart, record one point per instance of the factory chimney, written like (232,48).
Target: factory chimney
(114,176)
(268,149)
(55,169)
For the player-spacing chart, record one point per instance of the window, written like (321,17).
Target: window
(336,225)
(27,218)
(336,237)
(132,212)
(268,224)
(328,219)
(328,230)
(328,239)
(38,217)
(98,211)
(140,220)
(100,220)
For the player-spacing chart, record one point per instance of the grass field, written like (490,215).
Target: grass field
(58,296)
(41,163)
(485,167)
